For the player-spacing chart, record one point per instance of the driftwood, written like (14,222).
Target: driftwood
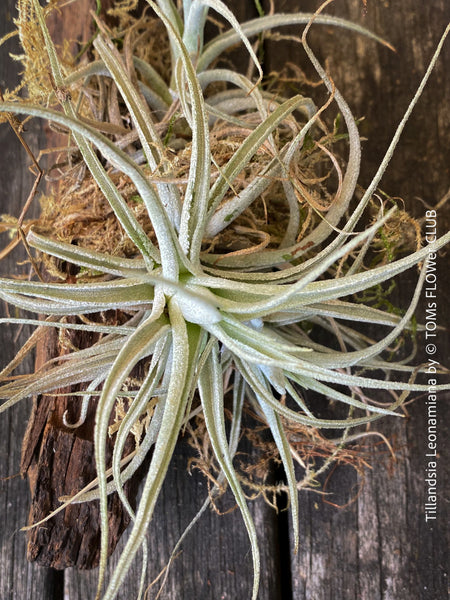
(380,546)
(59,461)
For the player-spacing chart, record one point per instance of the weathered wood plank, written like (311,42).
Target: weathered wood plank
(215,561)
(18,578)
(381,546)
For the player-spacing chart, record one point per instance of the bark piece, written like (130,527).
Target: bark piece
(59,461)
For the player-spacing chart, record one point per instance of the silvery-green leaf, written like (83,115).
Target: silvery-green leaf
(224,41)
(211,395)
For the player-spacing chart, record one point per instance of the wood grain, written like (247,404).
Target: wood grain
(18,579)
(59,461)
(379,547)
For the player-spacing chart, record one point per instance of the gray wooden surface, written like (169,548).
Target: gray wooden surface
(379,547)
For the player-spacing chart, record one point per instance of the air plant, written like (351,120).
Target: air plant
(201,314)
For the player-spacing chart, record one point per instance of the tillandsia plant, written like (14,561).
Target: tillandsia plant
(225,248)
